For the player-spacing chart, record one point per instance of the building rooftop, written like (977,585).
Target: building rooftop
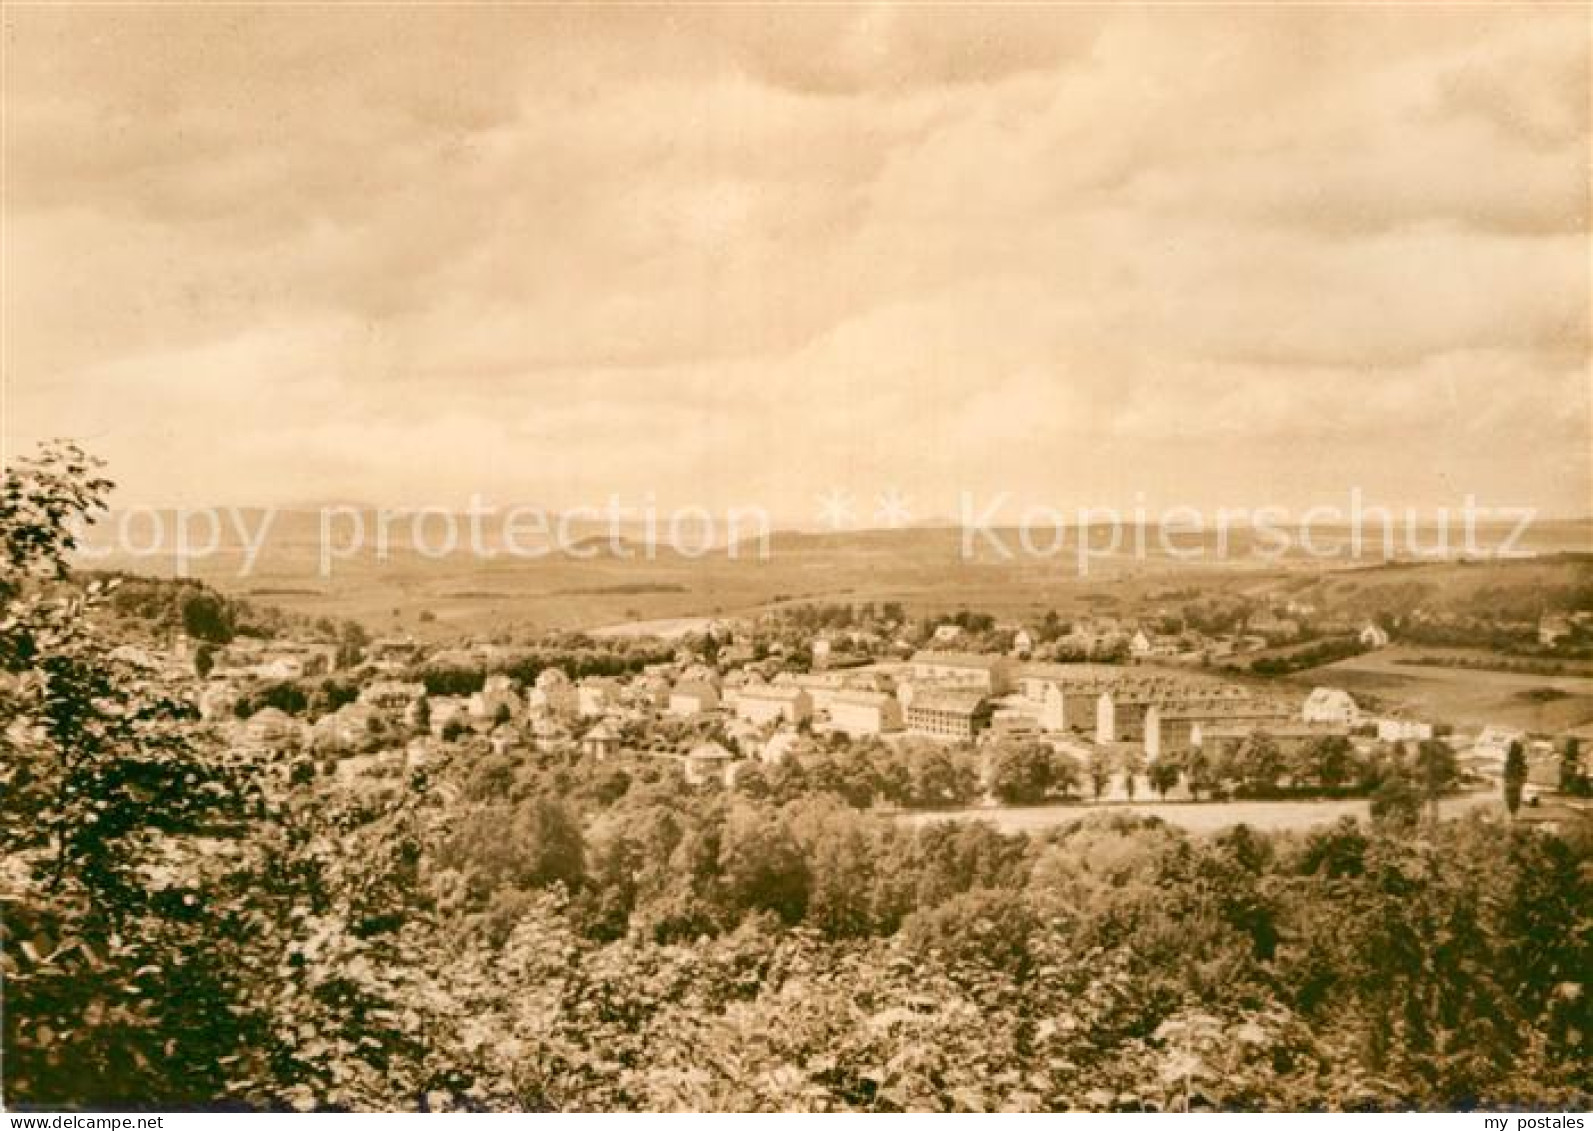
(962,703)
(862,698)
(1285,730)
(767,691)
(1208,711)
(977,661)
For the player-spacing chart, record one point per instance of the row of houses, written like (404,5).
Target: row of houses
(259,658)
(943,694)
(1098,636)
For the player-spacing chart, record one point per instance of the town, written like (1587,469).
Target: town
(800,558)
(1103,710)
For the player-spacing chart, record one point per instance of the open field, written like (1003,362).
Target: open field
(1487,660)
(663,629)
(1199,818)
(464,593)
(1466,697)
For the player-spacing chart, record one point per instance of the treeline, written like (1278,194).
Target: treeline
(315,696)
(672,939)
(924,774)
(623,658)
(160,607)
(824,616)
(164,606)
(1314,655)
(189,929)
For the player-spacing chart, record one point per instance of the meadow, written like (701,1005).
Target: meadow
(1460,695)
(1199,818)
(463,594)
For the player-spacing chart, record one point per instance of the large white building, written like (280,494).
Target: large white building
(692,698)
(553,693)
(860,713)
(950,715)
(821,687)
(1493,744)
(709,760)
(601,740)
(1330,705)
(1403,730)
(497,699)
(763,703)
(1053,710)
(391,694)
(990,674)
(1179,726)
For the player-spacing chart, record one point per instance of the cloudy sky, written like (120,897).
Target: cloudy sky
(747,255)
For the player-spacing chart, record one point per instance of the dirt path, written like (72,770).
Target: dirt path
(1195,817)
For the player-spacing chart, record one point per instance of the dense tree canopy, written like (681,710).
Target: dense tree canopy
(521,930)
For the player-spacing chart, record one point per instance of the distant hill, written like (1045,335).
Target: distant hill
(923,567)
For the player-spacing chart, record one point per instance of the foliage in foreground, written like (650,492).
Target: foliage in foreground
(183,929)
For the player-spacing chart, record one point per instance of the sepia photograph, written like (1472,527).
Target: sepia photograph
(814,558)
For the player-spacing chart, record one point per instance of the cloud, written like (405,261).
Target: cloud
(874,48)
(750,253)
